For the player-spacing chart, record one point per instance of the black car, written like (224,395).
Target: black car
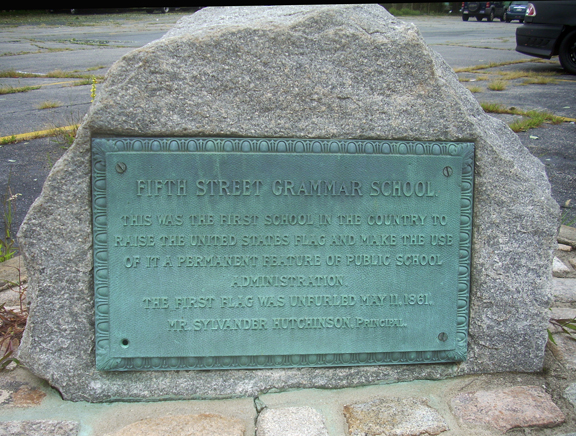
(550,29)
(481,10)
(516,11)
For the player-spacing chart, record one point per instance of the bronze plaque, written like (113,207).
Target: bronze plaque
(222,253)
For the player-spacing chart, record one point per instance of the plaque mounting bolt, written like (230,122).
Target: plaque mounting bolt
(443,337)
(120,167)
(447,171)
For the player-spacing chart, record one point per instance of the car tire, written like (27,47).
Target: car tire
(490,17)
(504,17)
(465,17)
(165,10)
(567,52)
(479,17)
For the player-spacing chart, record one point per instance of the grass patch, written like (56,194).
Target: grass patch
(12,90)
(60,74)
(64,135)
(476,68)
(525,124)
(13,74)
(82,82)
(542,80)
(512,75)
(496,108)
(98,67)
(497,85)
(48,104)
(530,119)
(56,74)
(475,89)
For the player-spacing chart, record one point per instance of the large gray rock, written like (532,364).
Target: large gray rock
(320,71)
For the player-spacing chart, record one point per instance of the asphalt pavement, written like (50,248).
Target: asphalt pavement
(89,44)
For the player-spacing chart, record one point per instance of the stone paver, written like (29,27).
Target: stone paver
(564,291)
(504,409)
(561,313)
(394,417)
(18,394)
(567,235)
(291,421)
(39,428)
(12,277)
(12,271)
(205,424)
(559,267)
(570,394)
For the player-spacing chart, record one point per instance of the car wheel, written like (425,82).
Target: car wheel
(490,17)
(504,18)
(479,17)
(567,53)
(521,20)
(465,17)
(165,10)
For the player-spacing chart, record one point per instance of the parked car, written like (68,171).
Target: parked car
(481,10)
(516,11)
(549,29)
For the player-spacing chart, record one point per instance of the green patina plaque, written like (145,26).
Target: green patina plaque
(218,253)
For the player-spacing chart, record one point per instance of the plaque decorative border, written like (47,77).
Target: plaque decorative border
(102,146)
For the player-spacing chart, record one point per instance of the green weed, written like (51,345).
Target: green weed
(7,243)
(64,135)
(8,140)
(566,326)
